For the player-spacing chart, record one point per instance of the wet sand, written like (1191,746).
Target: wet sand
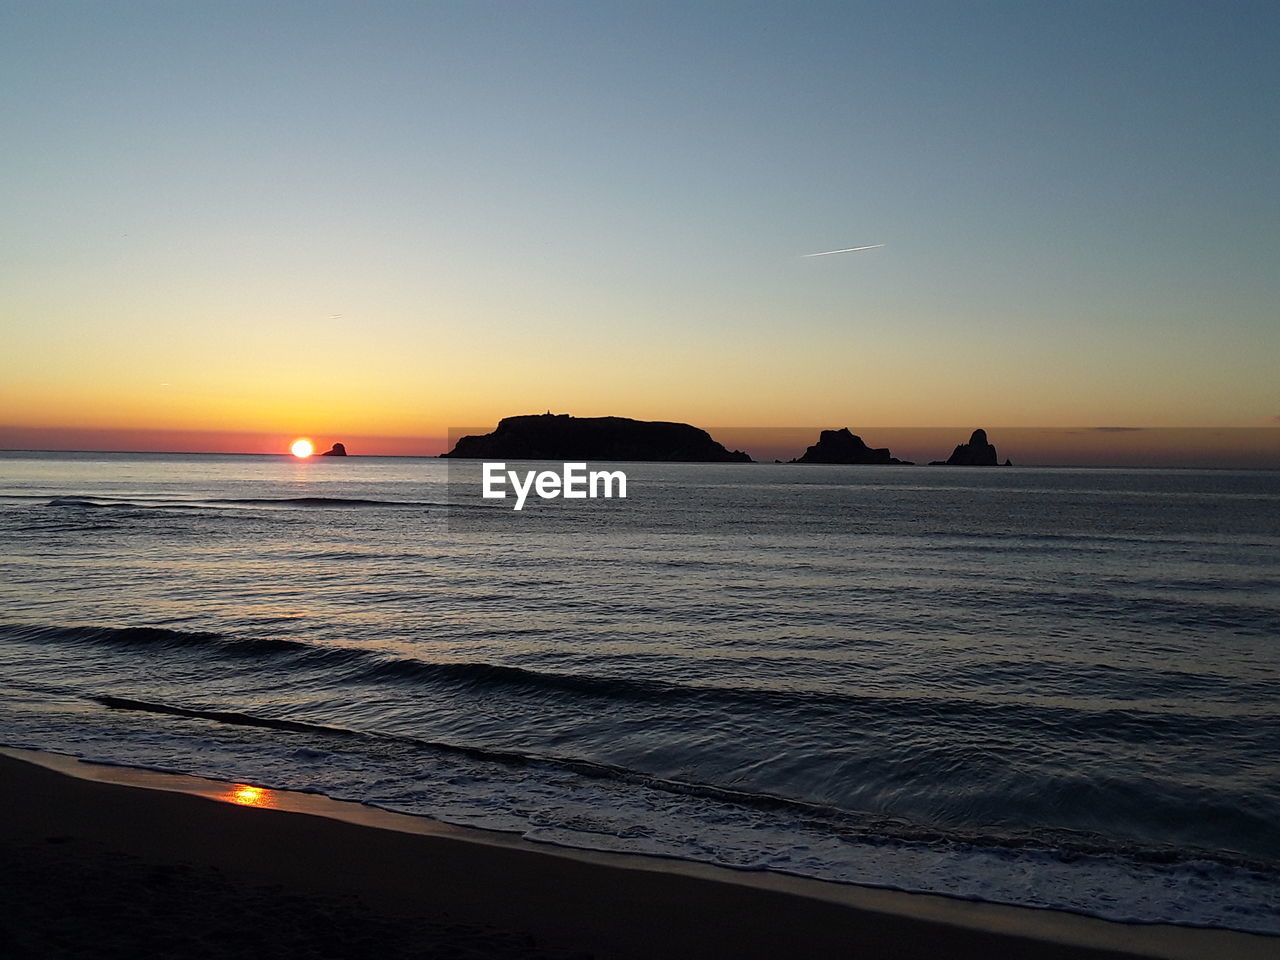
(99,861)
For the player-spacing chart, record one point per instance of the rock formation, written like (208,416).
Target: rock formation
(337,450)
(976,453)
(562,437)
(841,446)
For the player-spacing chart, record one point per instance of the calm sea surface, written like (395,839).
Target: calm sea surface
(1048,687)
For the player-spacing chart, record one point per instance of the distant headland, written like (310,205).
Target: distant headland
(551,436)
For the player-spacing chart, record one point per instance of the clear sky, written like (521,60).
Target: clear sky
(386,219)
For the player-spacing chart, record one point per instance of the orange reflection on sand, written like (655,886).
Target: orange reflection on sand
(247,796)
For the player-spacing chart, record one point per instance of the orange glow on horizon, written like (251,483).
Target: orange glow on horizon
(302,448)
(1234,447)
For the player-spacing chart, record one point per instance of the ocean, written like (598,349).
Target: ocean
(1049,687)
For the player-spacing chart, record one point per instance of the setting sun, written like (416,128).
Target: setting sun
(302,448)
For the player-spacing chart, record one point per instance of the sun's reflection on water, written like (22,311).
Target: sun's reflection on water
(247,796)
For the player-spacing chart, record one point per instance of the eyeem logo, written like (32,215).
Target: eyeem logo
(572,483)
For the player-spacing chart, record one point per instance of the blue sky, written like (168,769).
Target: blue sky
(601,207)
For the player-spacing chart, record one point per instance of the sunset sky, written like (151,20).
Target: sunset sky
(225,226)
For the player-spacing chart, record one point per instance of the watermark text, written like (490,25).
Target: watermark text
(573,482)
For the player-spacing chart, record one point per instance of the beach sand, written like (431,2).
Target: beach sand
(100,861)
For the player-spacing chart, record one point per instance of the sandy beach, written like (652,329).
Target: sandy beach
(107,861)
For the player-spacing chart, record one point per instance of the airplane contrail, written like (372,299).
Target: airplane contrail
(827,253)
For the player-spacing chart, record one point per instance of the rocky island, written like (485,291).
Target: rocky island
(562,437)
(978,452)
(337,450)
(841,446)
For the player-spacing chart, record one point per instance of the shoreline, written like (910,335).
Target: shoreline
(275,846)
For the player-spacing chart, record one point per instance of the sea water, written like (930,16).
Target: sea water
(1050,687)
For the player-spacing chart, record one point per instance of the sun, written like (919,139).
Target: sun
(302,449)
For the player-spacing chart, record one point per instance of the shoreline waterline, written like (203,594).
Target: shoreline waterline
(136,810)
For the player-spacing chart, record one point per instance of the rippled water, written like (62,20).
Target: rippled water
(1051,687)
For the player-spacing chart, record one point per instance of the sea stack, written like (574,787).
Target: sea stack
(337,450)
(552,436)
(978,452)
(841,446)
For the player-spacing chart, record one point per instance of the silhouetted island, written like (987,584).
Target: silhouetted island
(337,450)
(976,453)
(562,437)
(841,446)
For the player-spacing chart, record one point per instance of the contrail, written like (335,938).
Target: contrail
(827,253)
